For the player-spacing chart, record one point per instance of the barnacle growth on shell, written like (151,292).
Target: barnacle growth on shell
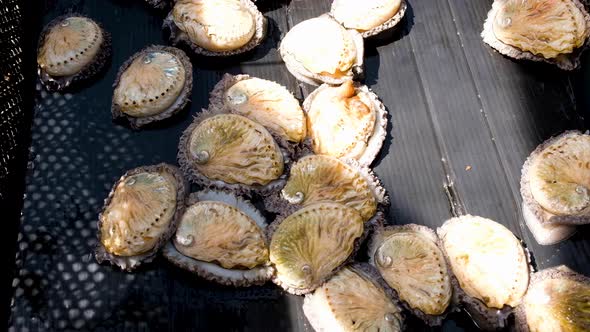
(310,245)
(558,299)
(262,101)
(216,27)
(555,187)
(72,48)
(353,300)
(319,178)
(140,215)
(320,50)
(221,237)
(489,265)
(369,17)
(410,261)
(554,31)
(230,151)
(346,121)
(154,84)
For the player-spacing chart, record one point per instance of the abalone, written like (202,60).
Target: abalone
(216,27)
(355,299)
(154,84)
(230,151)
(140,215)
(555,187)
(553,31)
(334,54)
(369,17)
(72,48)
(410,261)
(346,121)
(221,237)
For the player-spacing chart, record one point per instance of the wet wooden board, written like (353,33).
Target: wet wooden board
(460,115)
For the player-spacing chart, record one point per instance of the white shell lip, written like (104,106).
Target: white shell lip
(178,37)
(375,143)
(564,62)
(387,25)
(306,76)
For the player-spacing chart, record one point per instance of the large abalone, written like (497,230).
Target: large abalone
(140,215)
(262,101)
(152,85)
(221,237)
(410,261)
(230,151)
(310,245)
(346,121)
(554,31)
(555,187)
(72,48)
(320,50)
(489,265)
(355,299)
(216,27)
(369,17)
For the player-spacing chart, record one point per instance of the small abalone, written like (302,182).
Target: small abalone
(355,299)
(558,299)
(310,245)
(262,101)
(154,84)
(318,178)
(231,151)
(410,261)
(489,265)
(216,27)
(140,215)
(221,237)
(72,48)
(346,121)
(369,17)
(554,31)
(320,50)
(555,187)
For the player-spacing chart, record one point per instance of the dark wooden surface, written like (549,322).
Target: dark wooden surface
(460,115)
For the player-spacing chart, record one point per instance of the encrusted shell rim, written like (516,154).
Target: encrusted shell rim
(184,160)
(102,57)
(527,195)
(179,104)
(377,239)
(304,75)
(177,38)
(568,61)
(375,142)
(389,24)
(557,272)
(131,262)
(369,226)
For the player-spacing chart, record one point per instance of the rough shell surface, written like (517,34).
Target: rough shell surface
(203,26)
(316,178)
(333,56)
(352,300)
(346,121)
(230,151)
(72,48)
(311,245)
(152,85)
(539,22)
(558,299)
(410,261)
(135,229)
(369,17)
(238,276)
(262,101)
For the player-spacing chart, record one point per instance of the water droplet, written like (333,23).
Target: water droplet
(506,21)
(306,269)
(385,261)
(130,182)
(65,23)
(185,240)
(237,99)
(148,58)
(390,317)
(202,157)
(581,190)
